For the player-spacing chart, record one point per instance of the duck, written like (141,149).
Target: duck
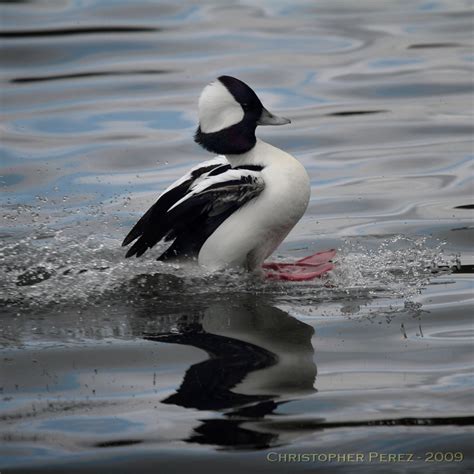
(233,210)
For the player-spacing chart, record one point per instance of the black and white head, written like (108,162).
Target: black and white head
(229,112)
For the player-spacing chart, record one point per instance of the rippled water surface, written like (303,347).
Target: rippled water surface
(122,365)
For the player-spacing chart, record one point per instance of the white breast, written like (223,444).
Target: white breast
(252,233)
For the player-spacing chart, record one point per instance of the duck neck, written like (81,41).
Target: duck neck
(252,157)
(237,139)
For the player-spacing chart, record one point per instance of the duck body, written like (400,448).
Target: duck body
(233,210)
(252,233)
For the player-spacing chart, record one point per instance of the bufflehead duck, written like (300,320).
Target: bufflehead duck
(235,209)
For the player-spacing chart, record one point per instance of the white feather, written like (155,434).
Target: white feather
(230,175)
(218,109)
(218,160)
(254,231)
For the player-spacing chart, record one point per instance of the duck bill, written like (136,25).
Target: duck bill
(267,118)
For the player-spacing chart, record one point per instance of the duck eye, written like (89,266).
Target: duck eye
(245,106)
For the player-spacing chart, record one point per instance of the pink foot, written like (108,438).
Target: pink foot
(307,268)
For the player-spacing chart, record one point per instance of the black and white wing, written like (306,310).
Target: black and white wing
(151,228)
(191,209)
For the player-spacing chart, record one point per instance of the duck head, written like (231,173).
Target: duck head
(229,112)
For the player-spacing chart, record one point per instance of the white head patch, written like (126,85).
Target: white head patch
(217,108)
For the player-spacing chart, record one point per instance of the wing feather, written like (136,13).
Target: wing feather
(196,216)
(152,226)
(191,209)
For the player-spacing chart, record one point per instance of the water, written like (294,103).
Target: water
(131,365)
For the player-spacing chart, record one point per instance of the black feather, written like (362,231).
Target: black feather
(195,219)
(154,226)
(234,140)
(249,167)
(219,170)
(190,223)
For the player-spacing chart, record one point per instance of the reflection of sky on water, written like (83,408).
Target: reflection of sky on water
(160,119)
(417,90)
(89,424)
(393,62)
(293,98)
(67,52)
(11,179)
(17,454)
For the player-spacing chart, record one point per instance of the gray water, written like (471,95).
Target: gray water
(114,365)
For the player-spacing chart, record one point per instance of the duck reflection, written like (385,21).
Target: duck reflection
(259,358)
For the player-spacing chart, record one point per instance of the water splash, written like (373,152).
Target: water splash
(399,266)
(41,270)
